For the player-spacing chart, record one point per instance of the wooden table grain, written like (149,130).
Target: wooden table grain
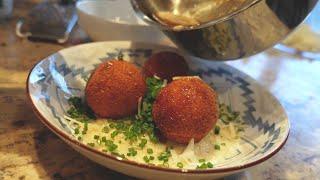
(28,150)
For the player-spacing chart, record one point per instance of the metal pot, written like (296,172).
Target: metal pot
(230,34)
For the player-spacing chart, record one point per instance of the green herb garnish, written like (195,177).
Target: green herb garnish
(143,123)
(164,156)
(76,131)
(85,127)
(79,110)
(110,145)
(146,159)
(149,151)
(210,165)
(96,137)
(227,115)
(132,152)
(105,129)
(204,164)
(112,125)
(217,147)
(216,130)
(143,143)
(114,134)
(180,165)
(104,139)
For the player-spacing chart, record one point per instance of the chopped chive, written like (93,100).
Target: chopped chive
(143,143)
(202,166)
(103,139)
(110,145)
(79,138)
(113,147)
(217,130)
(180,165)
(210,165)
(146,159)
(217,147)
(151,158)
(85,127)
(165,164)
(149,151)
(227,115)
(153,137)
(112,125)
(96,137)
(76,131)
(79,110)
(114,134)
(164,156)
(105,129)
(132,152)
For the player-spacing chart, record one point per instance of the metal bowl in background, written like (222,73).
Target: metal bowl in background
(304,42)
(115,20)
(251,28)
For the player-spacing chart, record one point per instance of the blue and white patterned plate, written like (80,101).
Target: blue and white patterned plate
(62,75)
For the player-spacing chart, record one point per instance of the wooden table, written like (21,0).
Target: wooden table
(28,150)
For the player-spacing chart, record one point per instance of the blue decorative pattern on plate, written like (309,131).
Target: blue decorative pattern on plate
(64,74)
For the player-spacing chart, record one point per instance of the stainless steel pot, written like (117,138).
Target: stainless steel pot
(227,32)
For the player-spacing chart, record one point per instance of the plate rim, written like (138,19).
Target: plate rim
(80,145)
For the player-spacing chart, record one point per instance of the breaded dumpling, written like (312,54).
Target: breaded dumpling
(186,108)
(114,89)
(165,65)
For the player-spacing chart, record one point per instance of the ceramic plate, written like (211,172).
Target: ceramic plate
(62,75)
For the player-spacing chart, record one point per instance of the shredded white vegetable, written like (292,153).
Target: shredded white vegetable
(139,106)
(182,77)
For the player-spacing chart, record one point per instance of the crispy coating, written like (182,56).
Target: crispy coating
(114,89)
(165,65)
(186,108)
